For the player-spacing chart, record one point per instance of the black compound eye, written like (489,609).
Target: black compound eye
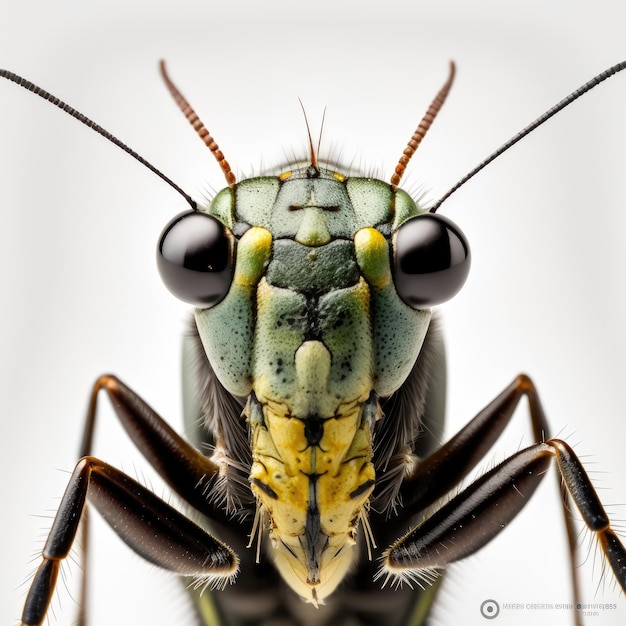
(194,257)
(431,260)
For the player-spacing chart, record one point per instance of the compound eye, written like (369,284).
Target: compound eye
(431,260)
(194,257)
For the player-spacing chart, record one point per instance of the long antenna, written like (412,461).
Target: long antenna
(198,126)
(38,91)
(529,129)
(422,128)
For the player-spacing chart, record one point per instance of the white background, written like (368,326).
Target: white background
(81,295)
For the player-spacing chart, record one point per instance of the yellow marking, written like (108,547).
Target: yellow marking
(277,408)
(284,176)
(372,254)
(253,254)
(339,465)
(340,177)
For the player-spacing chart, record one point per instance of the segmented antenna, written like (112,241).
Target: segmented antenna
(26,84)
(422,128)
(588,86)
(198,126)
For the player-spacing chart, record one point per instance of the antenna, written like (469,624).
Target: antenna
(198,126)
(38,91)
(588,86)
(312,153)
(422,128)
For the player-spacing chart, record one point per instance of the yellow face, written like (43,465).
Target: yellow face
(312,331)
(312,476)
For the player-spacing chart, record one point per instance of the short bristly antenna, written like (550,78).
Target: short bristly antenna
(422,128)
(198,126)
(319,139)
(312,153)
(588,86)
(26,84)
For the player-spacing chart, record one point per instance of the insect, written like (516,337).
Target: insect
(317,374)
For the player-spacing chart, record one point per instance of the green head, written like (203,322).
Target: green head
(312,292)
